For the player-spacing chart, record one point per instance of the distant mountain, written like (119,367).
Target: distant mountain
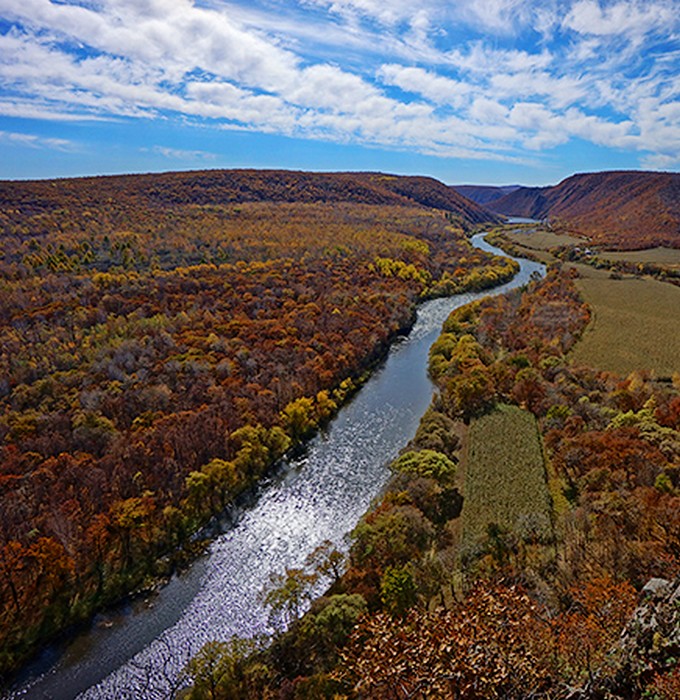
(619,209)
(484,194)
(432,193)
(215,187)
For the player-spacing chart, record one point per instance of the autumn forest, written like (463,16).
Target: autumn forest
(166,339)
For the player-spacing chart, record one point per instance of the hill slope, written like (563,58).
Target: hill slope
(625,209)
(217,187)
(484,194)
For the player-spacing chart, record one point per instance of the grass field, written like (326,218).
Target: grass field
(505,480)
(543,240)
(659,256)
(636,324)
(635,320)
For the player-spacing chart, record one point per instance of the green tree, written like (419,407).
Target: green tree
(312,645)
(427,463)
(390,536)
(286,594)
(223,670)
(327,560)
(469,394)
(397,590)
(436,432)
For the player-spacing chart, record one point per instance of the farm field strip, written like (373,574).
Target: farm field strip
(505,481)
(658,256)
(543,240)
(635,324)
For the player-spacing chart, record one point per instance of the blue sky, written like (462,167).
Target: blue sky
(478,91)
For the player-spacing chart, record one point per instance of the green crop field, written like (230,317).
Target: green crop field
(636,324)
(505,480)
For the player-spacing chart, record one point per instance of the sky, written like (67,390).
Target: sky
(467,91)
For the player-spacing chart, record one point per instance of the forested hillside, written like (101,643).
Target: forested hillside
(165,338)
(130,200)
(484,194)
(621,210)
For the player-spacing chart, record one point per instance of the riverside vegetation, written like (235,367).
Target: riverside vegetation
(436,601)
(164,339)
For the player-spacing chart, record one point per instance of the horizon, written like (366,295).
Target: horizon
(493,92)
(329,172)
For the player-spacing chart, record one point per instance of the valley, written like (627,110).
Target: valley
(169,342)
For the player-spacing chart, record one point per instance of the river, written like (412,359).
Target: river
(138,650)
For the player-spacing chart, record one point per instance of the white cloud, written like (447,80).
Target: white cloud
(457,93)
(496,15)
(626,17)
(488,111)
(660,161)
(33,141)
(604,133)
(560,92)
(532,116)
(386,12)
(480,59)
(225,101)
(181,154)
(433,87)
(33,109)
(174,35)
